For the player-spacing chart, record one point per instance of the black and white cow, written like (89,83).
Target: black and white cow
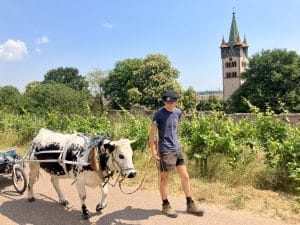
(88,160)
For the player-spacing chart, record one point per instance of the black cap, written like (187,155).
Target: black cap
(170,96)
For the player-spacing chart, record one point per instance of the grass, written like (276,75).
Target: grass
(227,188)
(238,189)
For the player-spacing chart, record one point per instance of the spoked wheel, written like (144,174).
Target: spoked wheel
(19,180)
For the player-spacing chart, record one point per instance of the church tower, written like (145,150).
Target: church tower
(234,55)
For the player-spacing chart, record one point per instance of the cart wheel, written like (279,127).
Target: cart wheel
(19,180)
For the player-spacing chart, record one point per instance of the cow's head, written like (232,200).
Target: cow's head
(121,157)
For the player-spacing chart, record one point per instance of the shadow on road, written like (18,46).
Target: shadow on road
(124,216)
(46,211)
(5,181)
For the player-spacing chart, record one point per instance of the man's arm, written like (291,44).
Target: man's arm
(153,141)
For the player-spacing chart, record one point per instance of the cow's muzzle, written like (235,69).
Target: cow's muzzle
(131,175)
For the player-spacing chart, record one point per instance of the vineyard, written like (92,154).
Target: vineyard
(207,141)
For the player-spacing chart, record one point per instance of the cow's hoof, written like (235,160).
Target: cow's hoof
(31,199)
(99,207)
(64,203)
(85,216)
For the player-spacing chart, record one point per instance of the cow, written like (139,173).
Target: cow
(89,160)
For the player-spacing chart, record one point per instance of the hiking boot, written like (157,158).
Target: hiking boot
(167,209)
(193,209)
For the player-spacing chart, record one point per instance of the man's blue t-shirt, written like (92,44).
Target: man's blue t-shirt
(167,124)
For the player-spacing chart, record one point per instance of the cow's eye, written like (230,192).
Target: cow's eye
(121,156)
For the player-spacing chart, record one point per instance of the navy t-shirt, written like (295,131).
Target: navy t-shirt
(167,124)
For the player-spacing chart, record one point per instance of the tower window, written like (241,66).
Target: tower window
(233,64)
(233,74)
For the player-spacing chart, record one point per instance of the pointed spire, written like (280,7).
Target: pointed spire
(245,44)
(223,40)
(234,34)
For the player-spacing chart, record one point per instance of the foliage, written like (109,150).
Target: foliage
(95,80)
(46,98)
(141,81)
(190,100)
(68,76)
(120,80)
(272,79)
(217,133)
(10,99)
(212,103)
(134,128)
(154,77)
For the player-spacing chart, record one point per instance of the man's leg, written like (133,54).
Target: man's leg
(185,179)
(185,182)
(163,188)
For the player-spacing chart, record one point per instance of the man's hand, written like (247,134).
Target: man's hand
(155,156)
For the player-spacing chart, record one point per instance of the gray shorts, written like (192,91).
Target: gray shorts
(170,159)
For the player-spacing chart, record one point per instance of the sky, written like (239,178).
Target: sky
(37,36)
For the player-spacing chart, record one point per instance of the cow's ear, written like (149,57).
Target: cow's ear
(132,141)
(109,147)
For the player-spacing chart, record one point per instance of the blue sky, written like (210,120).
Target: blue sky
(36,36)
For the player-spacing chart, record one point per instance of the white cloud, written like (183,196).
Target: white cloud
(13,50)
(41,40)
(107,25)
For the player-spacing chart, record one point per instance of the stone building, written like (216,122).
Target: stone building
(234,55)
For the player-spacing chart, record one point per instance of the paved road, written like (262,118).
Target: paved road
(142,208)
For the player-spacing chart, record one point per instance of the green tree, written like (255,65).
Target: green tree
(10,99)
(68,76)
(32,85)
(154,77)
(141,81)
(190,100)
(272,80)
(96,80)
(212,103)
(45,98)
(120,80)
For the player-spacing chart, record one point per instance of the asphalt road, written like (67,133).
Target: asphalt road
(142,207)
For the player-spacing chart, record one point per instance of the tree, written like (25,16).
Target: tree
(120,80)
(46,98)
(68,76)
(96,80)
(212,103)
(141,81)
(272,81)
(190,100)
(32,85)
(155,76)
(10,99)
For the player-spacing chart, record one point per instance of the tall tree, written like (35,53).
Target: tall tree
(272,80)
(10,99)
(212,103)
(190,100)
(68,76)
(96,80)
(155,76)
(120,80)
(55,97)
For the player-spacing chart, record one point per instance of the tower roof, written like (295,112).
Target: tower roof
(234,37)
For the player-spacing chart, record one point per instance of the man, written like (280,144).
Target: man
(167,152)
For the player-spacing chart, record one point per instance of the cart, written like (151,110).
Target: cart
(12,164)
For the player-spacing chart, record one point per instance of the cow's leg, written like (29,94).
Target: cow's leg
(33,176)
(103,202)
(61,196)
(82,195)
